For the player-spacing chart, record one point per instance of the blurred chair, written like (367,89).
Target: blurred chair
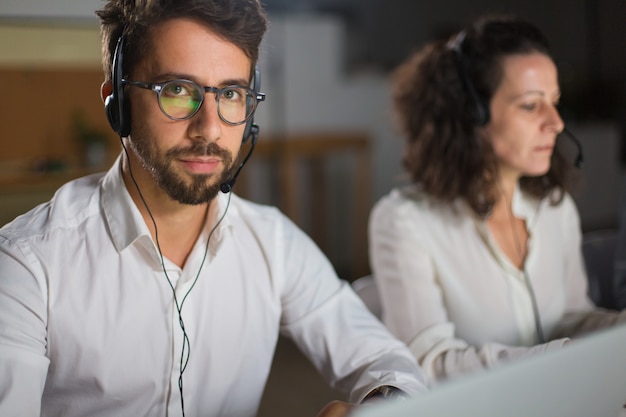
(598,249)
(365,287)
(619,277)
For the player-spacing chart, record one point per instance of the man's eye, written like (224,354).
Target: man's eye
(177,89)
(232,94)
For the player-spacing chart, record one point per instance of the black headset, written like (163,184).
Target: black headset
(479,109)
(118,109)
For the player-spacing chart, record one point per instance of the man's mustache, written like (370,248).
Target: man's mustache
(200,149)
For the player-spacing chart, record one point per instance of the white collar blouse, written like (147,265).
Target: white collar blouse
(450,293)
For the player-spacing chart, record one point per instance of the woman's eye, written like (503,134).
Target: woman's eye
(529,106)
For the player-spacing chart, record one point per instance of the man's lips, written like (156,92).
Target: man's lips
(201,165)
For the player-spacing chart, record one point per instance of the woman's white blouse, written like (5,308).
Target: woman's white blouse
(449,292)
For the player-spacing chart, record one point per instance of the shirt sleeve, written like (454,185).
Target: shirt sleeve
(577,284)
(23,363)
(330,324)
(413,302)
(580,316)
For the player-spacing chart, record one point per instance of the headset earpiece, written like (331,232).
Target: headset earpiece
(115,104)
(478,108)
(255,84)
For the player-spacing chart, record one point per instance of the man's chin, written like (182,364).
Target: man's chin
(196,198)
(198,191)
(194,189)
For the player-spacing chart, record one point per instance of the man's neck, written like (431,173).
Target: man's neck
(174,226)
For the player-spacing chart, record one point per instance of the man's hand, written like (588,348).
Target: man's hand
(336,409)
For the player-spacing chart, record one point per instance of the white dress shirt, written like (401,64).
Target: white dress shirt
(88,325)
(450,293)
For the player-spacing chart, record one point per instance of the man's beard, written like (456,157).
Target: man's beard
(197,191)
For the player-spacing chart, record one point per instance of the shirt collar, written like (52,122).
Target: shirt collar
(124,219)
(222,213)
(524,205)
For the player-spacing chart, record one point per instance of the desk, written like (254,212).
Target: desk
(289,156)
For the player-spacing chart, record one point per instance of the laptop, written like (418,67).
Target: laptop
(587,378)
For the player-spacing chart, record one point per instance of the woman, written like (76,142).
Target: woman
(478,261)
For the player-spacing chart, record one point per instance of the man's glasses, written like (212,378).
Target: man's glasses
(181,99)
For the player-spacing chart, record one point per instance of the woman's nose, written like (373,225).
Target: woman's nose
(554,119)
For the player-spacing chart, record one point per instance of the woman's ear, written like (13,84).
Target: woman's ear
(106,89)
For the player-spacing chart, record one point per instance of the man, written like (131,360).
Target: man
(146,291)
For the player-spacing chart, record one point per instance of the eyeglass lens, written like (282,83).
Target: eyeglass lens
(181,99)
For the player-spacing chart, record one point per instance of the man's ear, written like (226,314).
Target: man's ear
(106,89)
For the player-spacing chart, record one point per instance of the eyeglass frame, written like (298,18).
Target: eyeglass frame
(158,89)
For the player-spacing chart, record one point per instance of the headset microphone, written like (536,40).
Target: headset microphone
(579,162)
(251,132)
(227,186)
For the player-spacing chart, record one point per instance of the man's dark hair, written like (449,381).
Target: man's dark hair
(241,22)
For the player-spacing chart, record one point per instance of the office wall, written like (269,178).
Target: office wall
(52,9)
(50,75)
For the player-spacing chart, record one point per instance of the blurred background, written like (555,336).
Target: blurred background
(328,149)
